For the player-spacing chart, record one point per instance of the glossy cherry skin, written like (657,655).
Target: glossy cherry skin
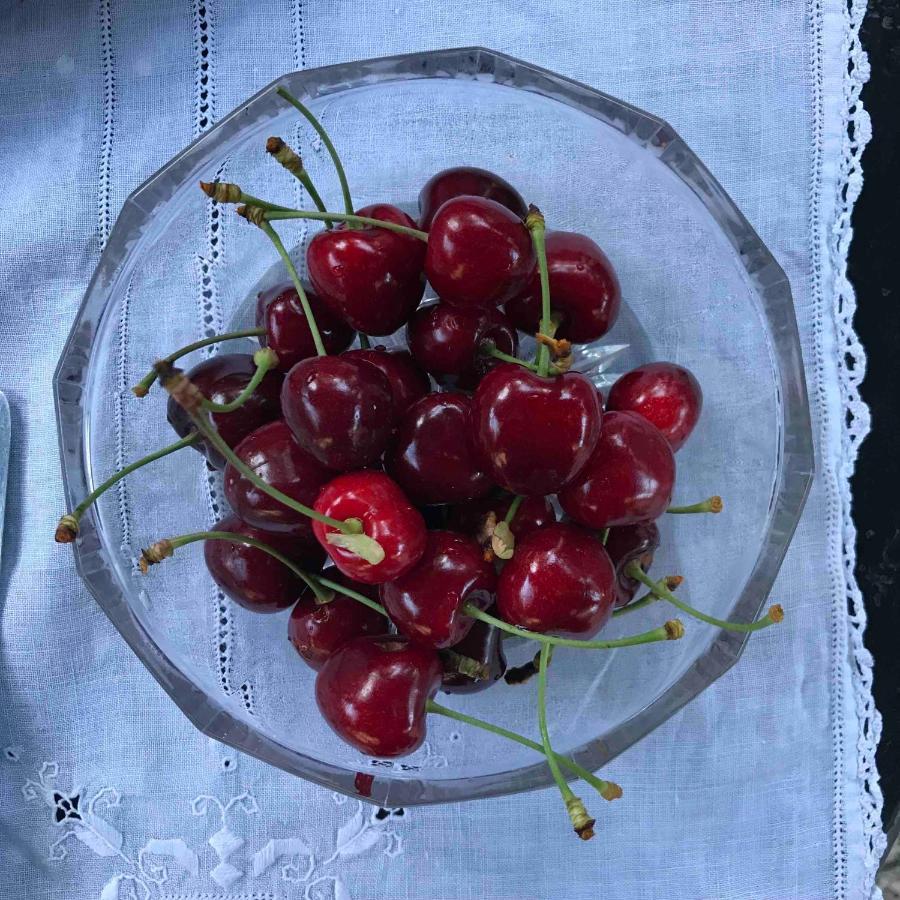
(447,341)
(433,457)
(535,433)
(665,394)
(250,576)
(533,513)
(387,517)
(628,479)
(373,692)
(220,379)
(466,181)
(628,544)
(274,454)
(584,290)
(479,253)
(370,277)
(316,631)
(560,580)
(408,382)
(340,410)
(426,603)
(484,644)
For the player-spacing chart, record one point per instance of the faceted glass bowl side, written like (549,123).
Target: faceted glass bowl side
(700,289)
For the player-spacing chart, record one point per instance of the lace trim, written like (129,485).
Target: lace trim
(107,61)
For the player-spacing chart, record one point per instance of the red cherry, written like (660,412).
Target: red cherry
(584,290)
(433,457)
(371,277)
(220,379)
(273,453)
(340,410)
(447,341)
(466,180)
(426,602)
(533,513)
(387,517)
(665,394)
(484,644)
(479,253)
(408,382)
(536,433)
(318,630)
(250,576)
(559,580)
(373,692)
(625,545)
(628,479)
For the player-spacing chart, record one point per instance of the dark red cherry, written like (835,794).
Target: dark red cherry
(472,518)
(627,544)
(250,576)
(560,580)
(426,602)
(408,382)
(340,410)
(317,630)
(584,290)
(665,394)
(628,479)
(466,180)
(272,452)
(279,311)
(479,253)
(484,644)
(370,277)
(220,379)
(535,433)
(373,692)
(448,341)
(433,457)
(387,517)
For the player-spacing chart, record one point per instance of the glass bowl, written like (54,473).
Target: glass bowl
(700,289)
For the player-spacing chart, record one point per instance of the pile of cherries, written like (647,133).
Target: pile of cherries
(426,476)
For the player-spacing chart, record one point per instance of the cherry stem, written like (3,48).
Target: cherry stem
(465,665)
(489,348)
(774,615)
(364,342)
(67,529)
(609,790)
(353,595)
(292,161)
(326,140)
(279,214)
(712,504)
(670,581)
(534,222)
(265,359)
(604,536)
(671,631)
(143,386)
(228,192)
(513,508)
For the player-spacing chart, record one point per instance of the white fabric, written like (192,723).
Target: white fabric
(764,787)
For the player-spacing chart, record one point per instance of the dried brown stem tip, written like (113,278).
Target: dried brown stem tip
(715,504)
(776,613)
(581,821)
(67,530)
(674,581)
(535,217)
(562,364)
(465,665)
(222,191)
(256,215)
(521,674)
(182,390)
(154,554)
(139,390)
(674,629)
(611,791)
(284,155)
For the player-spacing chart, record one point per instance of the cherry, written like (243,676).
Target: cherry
(433,457)
(536,433)
(627,544)
(426,602)
(466,180)
(484,644)
(274,454)
(449,341)
(250,576)
(373,692)
(317,630)
(386,516)
(473,518)
(371,277)
(340,410)
(559,580)
(408,382)
(221,379)
(665,394)
(584,290)
(628,479)
(279,311)
(479,253)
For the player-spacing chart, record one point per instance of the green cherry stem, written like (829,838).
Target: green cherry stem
(513,508)
(143,386)
(489,348)
(712,504)
(67,529)
(276,215)
(774,615)
(228,192)
(670,581)
(354,595)
(604,536)
(265,360)
(534,222)
(290,160)
(326,140)
(364,342)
